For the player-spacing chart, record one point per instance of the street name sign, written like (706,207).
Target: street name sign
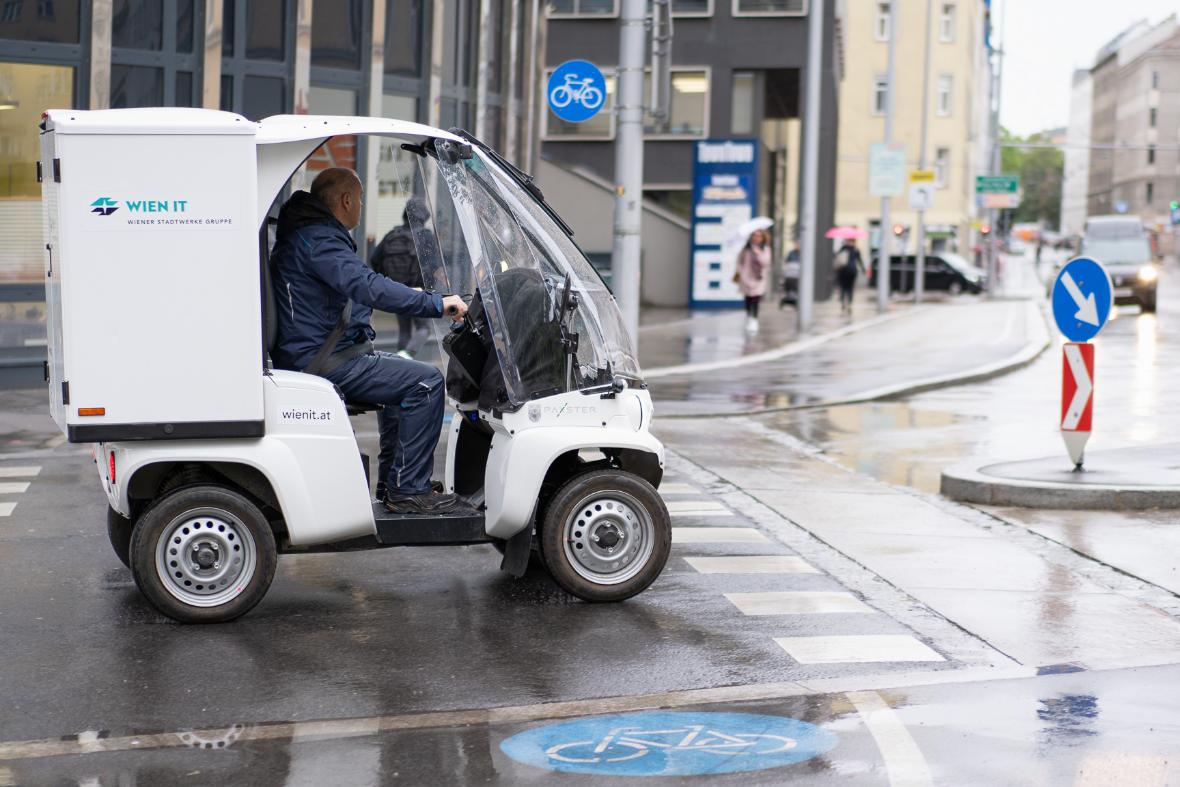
(1082,297)
(887,173)
(1077,398)
(997,191)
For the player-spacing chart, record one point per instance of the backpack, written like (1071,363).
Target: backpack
(397,258)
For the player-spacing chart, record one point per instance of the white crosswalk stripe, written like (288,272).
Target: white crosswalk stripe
(13,487)
(797,602)
(6,509)
(717,535)
(751,564)
(27,471)
(678,489)
(856,649)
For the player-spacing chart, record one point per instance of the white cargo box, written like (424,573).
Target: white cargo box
(152,274)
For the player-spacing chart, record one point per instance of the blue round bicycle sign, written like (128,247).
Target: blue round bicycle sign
(669,743)
(1082,297)
(576,90)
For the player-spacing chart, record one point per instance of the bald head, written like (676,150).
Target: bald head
(340,190)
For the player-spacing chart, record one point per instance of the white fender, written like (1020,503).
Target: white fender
(309,455)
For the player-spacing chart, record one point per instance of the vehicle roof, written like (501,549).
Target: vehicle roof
(147,120)
(1114,218)
(292,128)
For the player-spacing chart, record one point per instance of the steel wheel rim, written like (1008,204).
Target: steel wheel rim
(608,537)
(205,557)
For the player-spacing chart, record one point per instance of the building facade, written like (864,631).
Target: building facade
(466,63)
(958,143)
(738,71)
(1136,91)
(1076,177)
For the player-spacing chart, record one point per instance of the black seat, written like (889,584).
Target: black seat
(270,320)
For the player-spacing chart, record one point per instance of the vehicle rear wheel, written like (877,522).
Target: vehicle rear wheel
(203,554)
(605,535)
(1148,304)
(119,532)
(955,288)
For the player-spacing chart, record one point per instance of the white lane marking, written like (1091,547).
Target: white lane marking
(856,649)
(678,489)
(798,602)
(7,508)
(684,506)
(904,764)
(752,564)
(701,512)
(27,471)
(13,487)
(717,535)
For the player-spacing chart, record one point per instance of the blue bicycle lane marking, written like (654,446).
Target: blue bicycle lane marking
(669,743)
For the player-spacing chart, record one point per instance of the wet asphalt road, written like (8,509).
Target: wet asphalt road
(334,677)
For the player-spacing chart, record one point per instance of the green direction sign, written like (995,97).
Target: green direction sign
(997,184)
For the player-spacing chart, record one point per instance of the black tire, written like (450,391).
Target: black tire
(203,524)
(119,532)
(1147,305)
(605,504)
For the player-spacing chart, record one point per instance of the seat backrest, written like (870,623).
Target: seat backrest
(270,318)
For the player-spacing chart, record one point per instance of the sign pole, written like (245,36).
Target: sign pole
(1082,298)
(886,225)
(920,269)
(810,219)
(625,253)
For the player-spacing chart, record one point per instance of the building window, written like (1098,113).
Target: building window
(946,24)
(137,24)
(881,22)
(403,36)
(880,93)
(136,86)
(583,8)
(1150,192)
(944,98)
(336,34)
(742,103)
(1151,154)
(1152,116)
(769,7)
(692,7)
(942,167)
(688,104)
(11,11)
(1155,80)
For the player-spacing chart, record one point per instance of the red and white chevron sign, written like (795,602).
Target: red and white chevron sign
(1077,397)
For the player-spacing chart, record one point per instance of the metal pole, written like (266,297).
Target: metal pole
(810,218)
(886,226)
(629,162)
(920,271)
(996,163)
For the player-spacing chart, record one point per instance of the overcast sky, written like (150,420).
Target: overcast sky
(1046,40)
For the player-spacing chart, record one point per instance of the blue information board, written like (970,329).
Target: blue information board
(576,91)
(669,743)
(1082,297)
(724,196)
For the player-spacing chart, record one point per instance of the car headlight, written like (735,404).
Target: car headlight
(1148,273)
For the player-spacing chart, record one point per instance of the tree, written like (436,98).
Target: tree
(1041,171)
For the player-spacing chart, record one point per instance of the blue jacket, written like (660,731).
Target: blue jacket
(315,272)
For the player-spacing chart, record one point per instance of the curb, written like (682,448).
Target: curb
(1026,355)
(967,483)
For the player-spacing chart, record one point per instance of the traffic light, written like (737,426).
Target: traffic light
(1174,204)
(898,229)
(986,229)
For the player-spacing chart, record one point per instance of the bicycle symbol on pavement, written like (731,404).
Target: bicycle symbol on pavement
(670,744)
(576,90)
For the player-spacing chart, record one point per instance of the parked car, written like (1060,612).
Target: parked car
(945,272)
(1120,244)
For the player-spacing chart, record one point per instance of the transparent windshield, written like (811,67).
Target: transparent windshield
(554,325)
(1112,251)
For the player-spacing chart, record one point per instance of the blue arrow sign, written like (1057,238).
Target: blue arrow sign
(1082,297)
(576,91)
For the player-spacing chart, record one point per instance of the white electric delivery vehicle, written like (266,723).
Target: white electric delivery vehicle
(161,313)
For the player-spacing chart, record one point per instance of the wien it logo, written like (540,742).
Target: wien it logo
(104,206)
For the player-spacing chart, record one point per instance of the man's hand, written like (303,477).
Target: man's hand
(454,307)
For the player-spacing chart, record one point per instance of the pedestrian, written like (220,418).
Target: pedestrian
(396,257)
(753,265)
(791,270)
(848,264)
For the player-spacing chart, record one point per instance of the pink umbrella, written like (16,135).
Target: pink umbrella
(843,233)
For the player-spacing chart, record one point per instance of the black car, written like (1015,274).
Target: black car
(945,272)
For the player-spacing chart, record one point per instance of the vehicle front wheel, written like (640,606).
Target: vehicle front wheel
(605,535)
(955,288)
(1148,303)
(203,554)
(119,532)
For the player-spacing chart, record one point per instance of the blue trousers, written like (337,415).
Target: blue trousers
(411,423)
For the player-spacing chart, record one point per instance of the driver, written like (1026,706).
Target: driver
(317,277)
